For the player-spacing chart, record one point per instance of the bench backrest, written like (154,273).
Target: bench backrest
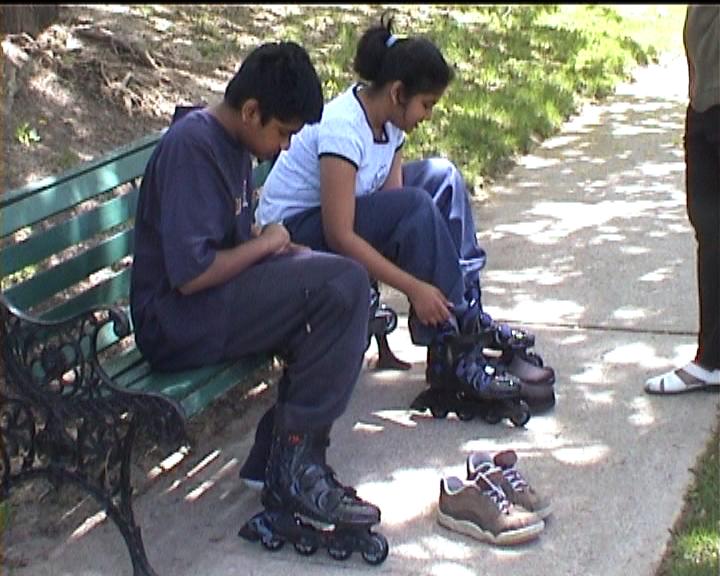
(66,242)
(58,232)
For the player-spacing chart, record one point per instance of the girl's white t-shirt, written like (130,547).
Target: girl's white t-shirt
(293,184)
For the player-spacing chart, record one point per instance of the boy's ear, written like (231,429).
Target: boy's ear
(250,111)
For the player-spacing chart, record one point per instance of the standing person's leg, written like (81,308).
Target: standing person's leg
(702,182)
(703,200)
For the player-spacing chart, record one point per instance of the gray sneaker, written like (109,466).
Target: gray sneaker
(518,491)
(481,510)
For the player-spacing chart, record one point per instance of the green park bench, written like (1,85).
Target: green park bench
(77,390)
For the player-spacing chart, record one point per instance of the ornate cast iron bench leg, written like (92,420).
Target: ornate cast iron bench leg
(383,320)
(66,421)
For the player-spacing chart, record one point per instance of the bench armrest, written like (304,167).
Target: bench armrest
(55,364)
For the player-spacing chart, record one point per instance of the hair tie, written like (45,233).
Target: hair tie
(391,40)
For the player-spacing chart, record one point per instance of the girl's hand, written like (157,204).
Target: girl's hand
(430,304)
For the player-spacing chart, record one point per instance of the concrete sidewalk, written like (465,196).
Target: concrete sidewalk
(589,247)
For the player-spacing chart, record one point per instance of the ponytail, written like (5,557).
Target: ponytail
(381,57)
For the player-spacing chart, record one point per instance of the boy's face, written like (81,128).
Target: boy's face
(265,140)
(272,137)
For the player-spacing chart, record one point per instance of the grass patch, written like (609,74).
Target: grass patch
(694,549)
(521,71)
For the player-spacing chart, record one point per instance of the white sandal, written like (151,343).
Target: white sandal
(686,379)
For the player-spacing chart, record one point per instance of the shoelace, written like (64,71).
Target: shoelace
(516,480)
(496,494)
(493,491)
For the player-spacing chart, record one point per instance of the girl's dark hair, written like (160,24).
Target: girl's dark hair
(281,77)
(416,61)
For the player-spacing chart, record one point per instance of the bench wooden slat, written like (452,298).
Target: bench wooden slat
(123,362)
(193,389)
(31,204)
(235,373)
(50,282)
(69,233)
(112,290)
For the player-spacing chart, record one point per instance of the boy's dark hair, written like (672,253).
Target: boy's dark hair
(416,62)
(280,76)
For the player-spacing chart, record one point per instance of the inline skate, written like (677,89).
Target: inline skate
(306,505)
(510,350)
(463,381)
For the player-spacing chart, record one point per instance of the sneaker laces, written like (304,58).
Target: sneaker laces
(492,490)
(516,480)
(498,497)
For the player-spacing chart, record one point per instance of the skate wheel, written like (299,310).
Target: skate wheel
(272,543)
(305,549)
(391,321)
(438,412)
(465,415)
(492,417)
(339,553)
(521,416)
(377,551)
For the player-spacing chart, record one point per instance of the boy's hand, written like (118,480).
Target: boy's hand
(276,236)
(293,247)
(430,304)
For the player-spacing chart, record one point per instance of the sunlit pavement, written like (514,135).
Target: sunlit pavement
(589,247)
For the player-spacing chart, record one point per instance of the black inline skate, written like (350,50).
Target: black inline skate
(510,350)
(463,381)
(305,504)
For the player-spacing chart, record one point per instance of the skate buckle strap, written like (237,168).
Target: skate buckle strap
(473,368)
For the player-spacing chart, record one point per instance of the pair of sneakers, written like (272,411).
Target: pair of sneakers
(494,504)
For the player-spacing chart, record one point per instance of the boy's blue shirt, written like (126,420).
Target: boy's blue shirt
(194,200)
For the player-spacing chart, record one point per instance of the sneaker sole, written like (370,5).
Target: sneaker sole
(519,536)
(543,513)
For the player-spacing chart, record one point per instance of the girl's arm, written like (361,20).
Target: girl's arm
(337,196)
(394,179)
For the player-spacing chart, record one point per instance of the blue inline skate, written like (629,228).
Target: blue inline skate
(462,380)
(306,505)
(510,349)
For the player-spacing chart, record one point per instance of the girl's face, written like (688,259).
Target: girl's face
(417,109)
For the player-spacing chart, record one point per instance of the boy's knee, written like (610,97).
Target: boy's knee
(352,284)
